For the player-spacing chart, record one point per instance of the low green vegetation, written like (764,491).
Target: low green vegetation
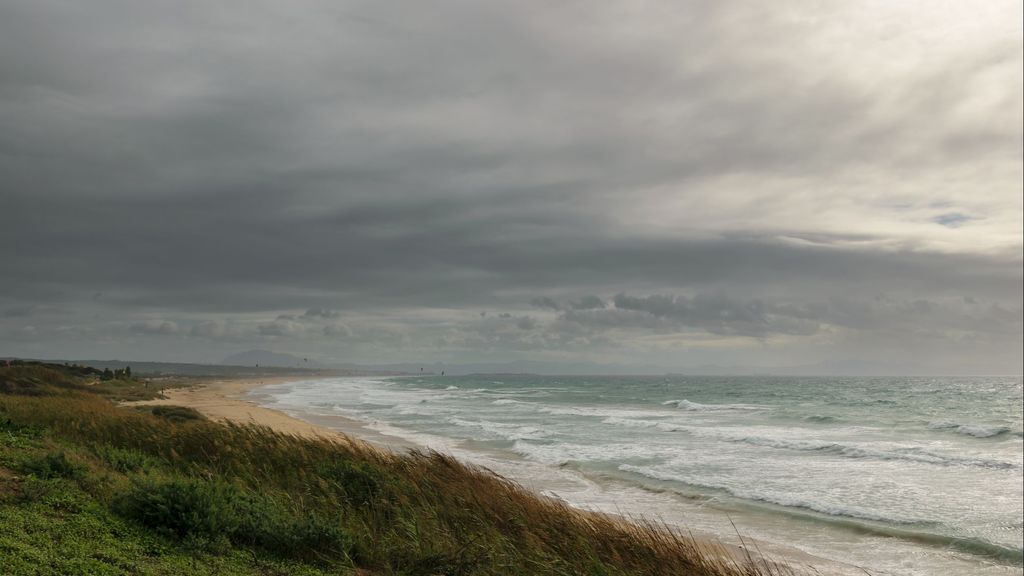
(88,487)
(173,413)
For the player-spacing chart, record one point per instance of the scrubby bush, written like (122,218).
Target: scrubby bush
(177,413)
(11,427)
(56,493)
(55,465)
(272,527)
(36,380)
(204,511)
(359,482)
(183,507)
(125,460)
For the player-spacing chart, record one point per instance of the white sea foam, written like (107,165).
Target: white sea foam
(662,425)
(603,412)
(772,498)
(506,402)
(432,441)
(905,453)
(976,430)
(697,407)
(562,452)
(505,431)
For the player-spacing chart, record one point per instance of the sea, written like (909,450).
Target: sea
(888,475)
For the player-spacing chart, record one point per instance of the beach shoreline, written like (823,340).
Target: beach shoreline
(228,400)
(231,400)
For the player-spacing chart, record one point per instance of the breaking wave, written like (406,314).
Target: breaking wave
(908,454)
(697,407)
(976,430)
(848,517)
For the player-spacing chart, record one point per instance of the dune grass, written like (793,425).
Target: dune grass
(127,491)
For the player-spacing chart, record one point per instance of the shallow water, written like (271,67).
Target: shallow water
(896,475)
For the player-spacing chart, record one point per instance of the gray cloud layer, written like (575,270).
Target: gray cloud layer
(646,182)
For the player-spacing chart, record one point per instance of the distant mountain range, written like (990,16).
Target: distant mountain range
(269,363)
(269,359)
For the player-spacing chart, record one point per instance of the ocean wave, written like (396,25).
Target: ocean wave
(658,424)
(777,499)
(853,518)
(602,412)
(560,454)
(506,431)
(820,419)
(435,442)
(907,453)
(976,430)
(697,407)
(506,402)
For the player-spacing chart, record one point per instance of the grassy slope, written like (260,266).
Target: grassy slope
(88,487)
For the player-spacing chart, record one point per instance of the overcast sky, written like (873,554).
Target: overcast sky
(645,184)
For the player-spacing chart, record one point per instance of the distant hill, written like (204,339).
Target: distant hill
(269,359)
(142,368)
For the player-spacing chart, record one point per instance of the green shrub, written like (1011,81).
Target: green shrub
(36,380)
(359,481)
(56,493)
(11,427)
(272,527)
(204,511)
(14,435)
(125,460)
(183,507)
(177,413)
(54,465)
(34,490)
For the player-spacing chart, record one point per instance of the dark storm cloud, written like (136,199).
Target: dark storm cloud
(545,302)
(526,323)
(587,303)
(720,314)
(321,313)
(279,327)
(338,330)
(159,327)
(209,329)
(252,251)
(265,159)
(18,312)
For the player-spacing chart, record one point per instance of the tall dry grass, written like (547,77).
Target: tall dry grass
(342,502)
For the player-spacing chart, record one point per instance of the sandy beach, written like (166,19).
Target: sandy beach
(228,400)
(224,400)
